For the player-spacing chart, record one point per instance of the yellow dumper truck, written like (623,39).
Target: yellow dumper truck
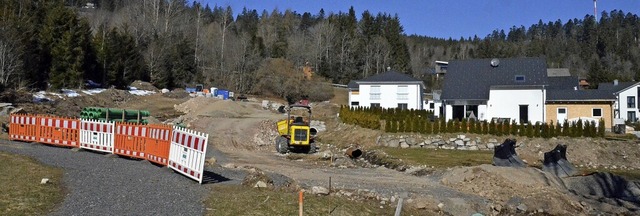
(295,133)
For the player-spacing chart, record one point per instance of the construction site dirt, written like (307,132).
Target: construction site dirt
(244,133)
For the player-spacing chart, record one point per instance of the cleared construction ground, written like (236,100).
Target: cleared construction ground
(242,135)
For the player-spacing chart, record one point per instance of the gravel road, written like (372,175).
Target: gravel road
(98,184)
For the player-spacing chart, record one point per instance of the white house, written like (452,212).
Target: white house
(390,89)
(509,89)
(627,101)
(434,104)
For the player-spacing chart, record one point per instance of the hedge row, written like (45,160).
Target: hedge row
(419,122)
(370,117)
(544,130)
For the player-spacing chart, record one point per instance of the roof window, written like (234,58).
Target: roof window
(520,78)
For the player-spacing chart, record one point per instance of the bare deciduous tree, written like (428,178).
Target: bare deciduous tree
(9,60)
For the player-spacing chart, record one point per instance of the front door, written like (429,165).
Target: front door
(524,114)
(562,115)
(458,112)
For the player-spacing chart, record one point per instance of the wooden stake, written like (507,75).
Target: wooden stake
(300,202)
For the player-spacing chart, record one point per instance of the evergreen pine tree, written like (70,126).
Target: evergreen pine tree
(530,130)
(464,126)
(485,127)
(536,130)
(601,128)
(587,129)
(566,129)
(492,128)
(579,129)
(394,126)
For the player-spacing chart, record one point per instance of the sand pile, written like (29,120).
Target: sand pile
(511,187)
(214,108)
(140,85)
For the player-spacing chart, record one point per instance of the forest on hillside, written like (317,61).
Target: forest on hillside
(175,43)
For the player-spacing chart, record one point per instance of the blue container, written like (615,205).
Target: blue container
(223,93)
(215,92)
(190,90)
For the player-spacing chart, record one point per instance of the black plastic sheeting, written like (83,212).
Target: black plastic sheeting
(555,162)
(505,155)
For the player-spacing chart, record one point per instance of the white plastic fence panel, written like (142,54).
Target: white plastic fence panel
(187,152)
(97,135)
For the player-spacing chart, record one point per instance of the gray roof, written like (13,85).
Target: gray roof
(390,76)
(563,82)
(386,77)
(610,87)
(580,95)
(353,85)
(558,72)
(472,79)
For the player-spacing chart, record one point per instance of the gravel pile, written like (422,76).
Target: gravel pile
(102,185)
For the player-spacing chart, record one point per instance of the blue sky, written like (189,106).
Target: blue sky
(448,18)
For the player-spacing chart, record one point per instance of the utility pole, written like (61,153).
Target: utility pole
(595,10)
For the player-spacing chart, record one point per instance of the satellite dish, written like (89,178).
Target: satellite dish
(495,62)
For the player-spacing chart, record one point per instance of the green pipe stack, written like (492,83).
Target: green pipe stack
(115,115)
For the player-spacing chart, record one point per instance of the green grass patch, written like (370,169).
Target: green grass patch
(20,190)
(440,158)
(241,200)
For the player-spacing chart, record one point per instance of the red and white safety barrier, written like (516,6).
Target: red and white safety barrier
(97,135)
(187,152)
(58,131)
(23,127)
(129,140)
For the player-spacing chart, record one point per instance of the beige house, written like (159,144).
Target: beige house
(572,105)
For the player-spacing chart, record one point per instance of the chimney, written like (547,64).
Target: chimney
(615,82)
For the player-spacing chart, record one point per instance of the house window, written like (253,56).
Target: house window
(403,92)
(375,105)
(402,106)
(355,103)
(431,105)
(375,93)
(520,78)
(597,112)
(562,110)
(631,102)
(631,116)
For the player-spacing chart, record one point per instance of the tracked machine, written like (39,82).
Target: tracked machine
(295,133)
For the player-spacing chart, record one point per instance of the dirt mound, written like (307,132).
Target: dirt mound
(177,93)
(141,85)
(511,187)
(13,96)
(114,96)
(215,108)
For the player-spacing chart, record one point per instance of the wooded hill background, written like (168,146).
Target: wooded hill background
(173,43)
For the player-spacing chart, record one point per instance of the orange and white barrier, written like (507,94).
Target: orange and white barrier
(183,150)
(187,152)
(58,131)
(23,127)
(157,144)
(97,135)
(129,140)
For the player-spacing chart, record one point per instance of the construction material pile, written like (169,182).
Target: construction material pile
(115,115)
